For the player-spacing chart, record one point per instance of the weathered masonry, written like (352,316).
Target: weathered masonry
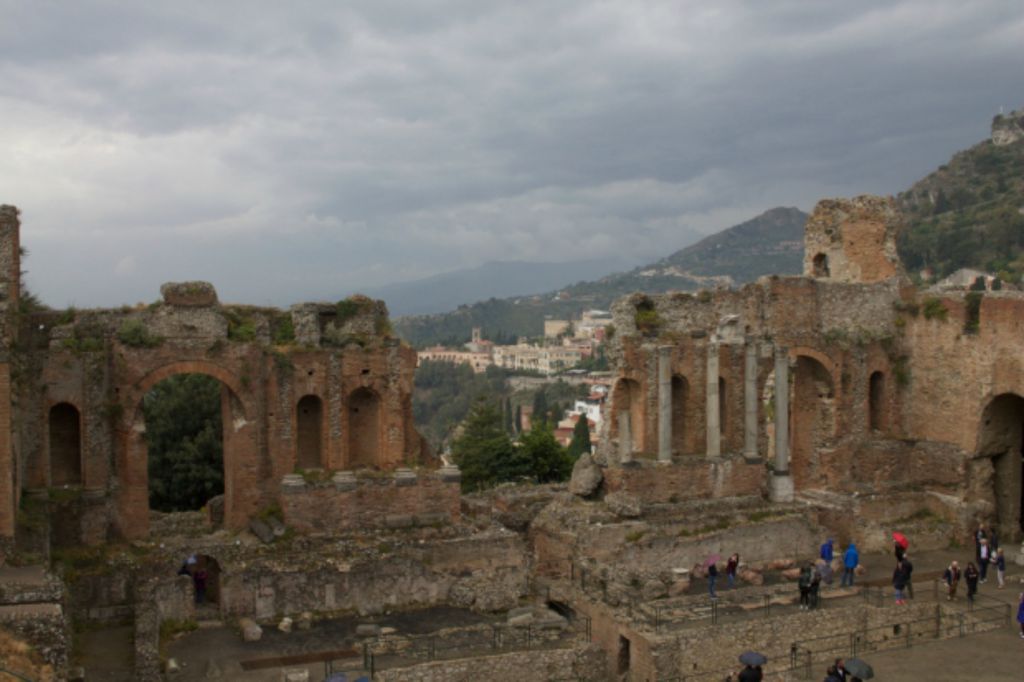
(318,386)
(848,382)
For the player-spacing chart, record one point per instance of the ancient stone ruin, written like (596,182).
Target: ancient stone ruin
(845,402)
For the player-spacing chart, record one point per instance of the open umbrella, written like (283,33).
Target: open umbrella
(753,658)
(713,559)
(858,668)
(901,540)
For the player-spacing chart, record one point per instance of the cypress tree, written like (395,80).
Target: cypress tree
(580,438)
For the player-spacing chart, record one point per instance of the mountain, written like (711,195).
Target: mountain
(771,243)
(970,212)
(500,279)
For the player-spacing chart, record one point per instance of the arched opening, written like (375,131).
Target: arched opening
(184,442)
(680,395)
(308,424)
(363,428)
(723,414)
(876,402)
(627,408)
(1001,437)
(821,265)
(812,419)
(65,445)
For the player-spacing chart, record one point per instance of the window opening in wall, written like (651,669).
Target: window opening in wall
(623,666)
(821,265)
(363,428)
(876,402)
(65,445)
(308,421)
(679,398)
(184,442)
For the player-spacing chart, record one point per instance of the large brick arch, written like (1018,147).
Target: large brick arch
(241,455)
(812,416)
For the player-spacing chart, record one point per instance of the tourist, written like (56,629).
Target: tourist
(840,668)
(908,569)
(199,578)
(832,675)
(850,560)
(899,582)
(979,535)
(971,578)
(815,587)
(804,583)
(1020,615)
(1000,561)
(825,571)
(984,555)
(731,567)
(712,576)
(751,674)
(826,551)
(952,578)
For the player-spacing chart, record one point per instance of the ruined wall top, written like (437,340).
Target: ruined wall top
(189,294)
(852,240)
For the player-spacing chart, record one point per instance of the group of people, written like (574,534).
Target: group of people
(987,552)
(817,572)
(731,566)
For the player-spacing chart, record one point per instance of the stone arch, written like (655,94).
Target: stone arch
(877,414)
(1001,438)
(812,417)
(242,492)
(680,407)
(308,432)
(628,408)
(820,265)
(364,428)
(65,444)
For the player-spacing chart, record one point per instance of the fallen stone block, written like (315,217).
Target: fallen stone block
(367,630)
(285,625)
(262,530)
(625,505)
(522,620)
(586,476)
(294,675)
(251,632)
(305,621)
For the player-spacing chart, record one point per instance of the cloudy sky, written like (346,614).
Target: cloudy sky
(302,150)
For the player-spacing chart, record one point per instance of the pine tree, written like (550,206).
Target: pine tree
(580,438)
(484,451)
(540,407)
(545,459)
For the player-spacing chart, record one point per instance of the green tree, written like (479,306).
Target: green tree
(547,461)
(484,451)
(580,438)
(519,419)
(183,436)
(540,407)
(506,414)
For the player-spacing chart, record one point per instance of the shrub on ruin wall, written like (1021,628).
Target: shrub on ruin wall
(933,309)
(241,327)
(134,333)
(646,317)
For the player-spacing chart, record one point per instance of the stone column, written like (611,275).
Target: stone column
(750,401)
(782,482)
(665,404)
(625,438)
(712,416)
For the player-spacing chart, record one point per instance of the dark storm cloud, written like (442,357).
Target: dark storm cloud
(300,150)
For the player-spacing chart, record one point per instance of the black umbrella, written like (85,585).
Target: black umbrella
(858,668)
(753,658)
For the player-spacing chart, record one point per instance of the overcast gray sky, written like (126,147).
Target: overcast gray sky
(301,150)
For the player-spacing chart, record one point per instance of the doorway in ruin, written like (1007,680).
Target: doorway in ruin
(184,442)
(65,432)
(308,426)
(820,265)
(1001,438)
(627,407)
(811,419)
(363,428)
(680,398)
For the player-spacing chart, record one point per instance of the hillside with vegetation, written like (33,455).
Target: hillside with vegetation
(771,243)
(968,213)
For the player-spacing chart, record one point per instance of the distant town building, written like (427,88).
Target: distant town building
(555,328)
(478,361)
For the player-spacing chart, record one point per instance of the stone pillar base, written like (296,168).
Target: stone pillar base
(781,488)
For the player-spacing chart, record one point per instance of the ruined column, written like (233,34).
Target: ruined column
(713,418)
(664,404)
(625,438)
(782,482)
(750,401)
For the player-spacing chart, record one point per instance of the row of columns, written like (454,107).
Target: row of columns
(782,487)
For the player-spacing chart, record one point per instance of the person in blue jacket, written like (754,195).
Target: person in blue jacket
(850,560)
(826,550)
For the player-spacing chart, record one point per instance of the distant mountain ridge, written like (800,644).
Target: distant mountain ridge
(771,243)
(496,279)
